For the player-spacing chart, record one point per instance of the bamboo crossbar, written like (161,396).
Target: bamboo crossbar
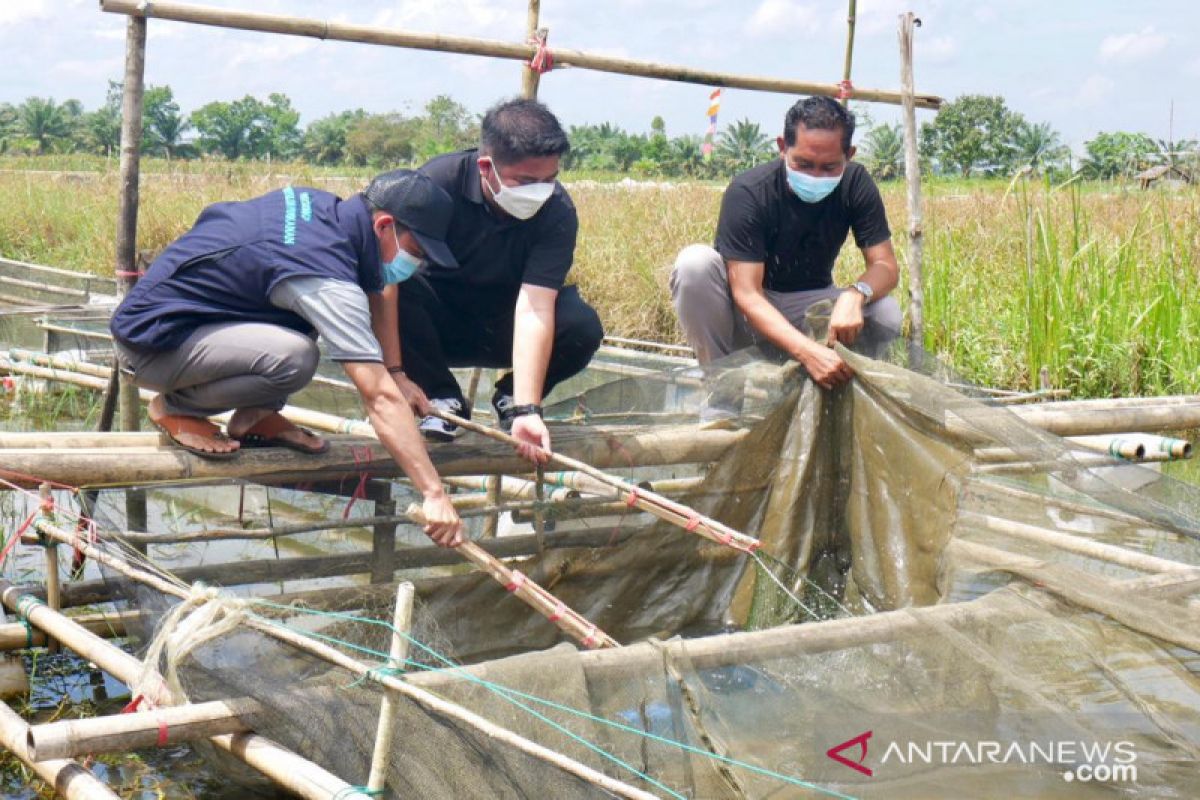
(306,644)
(369,34)
(158,727)
(68,778)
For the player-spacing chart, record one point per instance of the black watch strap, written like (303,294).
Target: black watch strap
(526,409)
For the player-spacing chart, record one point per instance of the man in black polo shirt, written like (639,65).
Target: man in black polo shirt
(778,236)
(513,235)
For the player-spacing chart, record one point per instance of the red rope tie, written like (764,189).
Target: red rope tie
(845,90)
(543,60)
(725,537)
(162,733)
(362,459)
(16,537)
(125,273)
(692,523)
(559,610)
(590,641)
(631,501)
(133,705)
(518,580)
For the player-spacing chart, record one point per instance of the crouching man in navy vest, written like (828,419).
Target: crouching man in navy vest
(226,319)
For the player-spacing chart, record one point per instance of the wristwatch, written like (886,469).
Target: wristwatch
(526,409)
(863,288)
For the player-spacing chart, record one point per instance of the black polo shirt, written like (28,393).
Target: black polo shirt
(496,250)
(763,221)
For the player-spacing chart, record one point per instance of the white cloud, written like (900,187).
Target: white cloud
(271,50)
(1094,91)
(937,50)
(88,68)
(873,17)
(778,18)
(1133,46)
(15,11)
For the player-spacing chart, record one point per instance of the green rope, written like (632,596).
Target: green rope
(542,717)
(511,696)
(350,791)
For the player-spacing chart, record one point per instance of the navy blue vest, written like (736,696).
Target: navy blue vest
(224,268)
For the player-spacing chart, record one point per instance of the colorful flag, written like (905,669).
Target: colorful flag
(714,106)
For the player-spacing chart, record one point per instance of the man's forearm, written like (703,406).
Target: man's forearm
(533,340)
(770,322)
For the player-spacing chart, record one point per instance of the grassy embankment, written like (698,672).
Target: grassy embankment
(1095,282)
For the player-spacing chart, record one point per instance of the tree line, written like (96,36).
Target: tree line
(973,135)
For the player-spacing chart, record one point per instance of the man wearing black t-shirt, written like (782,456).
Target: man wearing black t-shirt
(505,305)
(778,236)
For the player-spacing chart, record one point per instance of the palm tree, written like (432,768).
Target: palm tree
(883,151)
(743,145)
(1037,147)
(45,122)
(166,134)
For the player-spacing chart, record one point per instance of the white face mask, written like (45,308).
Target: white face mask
(521,202)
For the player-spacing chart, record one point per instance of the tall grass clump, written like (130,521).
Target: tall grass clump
(1095,287)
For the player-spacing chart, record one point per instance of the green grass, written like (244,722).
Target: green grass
(1092,281)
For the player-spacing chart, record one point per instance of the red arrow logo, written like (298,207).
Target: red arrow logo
(835,753)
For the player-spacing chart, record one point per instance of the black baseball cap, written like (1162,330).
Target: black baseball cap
(418,204)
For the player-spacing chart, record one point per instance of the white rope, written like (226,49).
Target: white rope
(201,617)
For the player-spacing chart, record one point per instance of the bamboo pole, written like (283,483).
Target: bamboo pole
(912,180)
(370,34)
(530,77)
(1090,417)
(510,488)
(851,18)
(17,636)
(68,779)
(1141,444)
(157,727)
(306,644)
(287,769)
(388,706)
(645,499)
(568,620)
(53,582)
(1075,544)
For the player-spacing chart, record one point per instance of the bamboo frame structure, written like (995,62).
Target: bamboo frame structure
(335,657)
(367,34)
(912,181)
(69,779)
(402,623)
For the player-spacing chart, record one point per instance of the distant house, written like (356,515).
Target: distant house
(1167,172)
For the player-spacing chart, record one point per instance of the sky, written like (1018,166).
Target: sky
(1082,65)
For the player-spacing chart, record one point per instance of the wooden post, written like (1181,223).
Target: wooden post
(850,20)
(495,496)
(402,622)
(383,534)
(530,76)
(126,262)
(912,178)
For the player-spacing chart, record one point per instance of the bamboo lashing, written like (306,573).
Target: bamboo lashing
(647,500)
(567,619)
(336,657)
(373,34)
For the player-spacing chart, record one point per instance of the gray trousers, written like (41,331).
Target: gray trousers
(225,366)
(715,328)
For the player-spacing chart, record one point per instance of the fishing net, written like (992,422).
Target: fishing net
(948,602)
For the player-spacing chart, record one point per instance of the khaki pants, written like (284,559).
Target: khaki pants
(715,328)
(225,366)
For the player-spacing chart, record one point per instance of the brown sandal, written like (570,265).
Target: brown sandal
(174,426)
(266,433)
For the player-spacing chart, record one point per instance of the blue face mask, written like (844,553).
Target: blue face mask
(402,267)
(808,188)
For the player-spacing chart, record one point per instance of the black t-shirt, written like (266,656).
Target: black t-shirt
(763,221)
(496,250)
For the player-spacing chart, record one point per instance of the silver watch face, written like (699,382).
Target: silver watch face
(864,289)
